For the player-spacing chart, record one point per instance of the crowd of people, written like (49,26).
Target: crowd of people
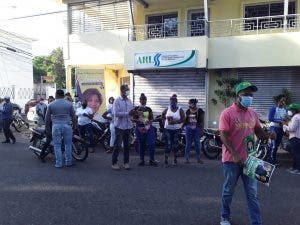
(238,125)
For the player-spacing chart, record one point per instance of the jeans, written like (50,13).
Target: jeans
(87,131)
(146,140)
(112,135)
(190,136)
(232,172)
(7,131)
(62,132)
(1,122)
(121,136)
(295,149)
(171,141)
(275,144)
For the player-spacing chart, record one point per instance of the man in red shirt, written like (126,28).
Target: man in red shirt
(238,125)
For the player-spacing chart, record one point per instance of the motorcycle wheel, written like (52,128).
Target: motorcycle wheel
(209,149)
(38,143)
(106,142)
(80,150)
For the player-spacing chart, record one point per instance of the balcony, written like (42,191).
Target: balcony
(217,28)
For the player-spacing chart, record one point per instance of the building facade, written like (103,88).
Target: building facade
(16,71)
(184,47)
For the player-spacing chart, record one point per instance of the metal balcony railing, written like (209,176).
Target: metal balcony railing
(217,28)
(188,28)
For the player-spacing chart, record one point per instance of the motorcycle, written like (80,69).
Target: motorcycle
(18,123)
(38,140)
(101,133)
(211,143)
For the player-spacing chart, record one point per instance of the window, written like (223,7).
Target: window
(196,23)
(164,25)
(270,10)
(95,16)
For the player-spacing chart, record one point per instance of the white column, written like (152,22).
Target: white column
(285,13)
(206,15)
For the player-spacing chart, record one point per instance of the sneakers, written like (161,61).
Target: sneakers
(175,161)
(295,172)
(200,161)
(5,142)
(115,167)
(290,169)
(142,163)
(126,166)
(153,163)
(225,222)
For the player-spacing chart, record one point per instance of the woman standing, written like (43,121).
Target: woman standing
(145,132)
(173,116)
(108,115)
(293,128)
(194,120)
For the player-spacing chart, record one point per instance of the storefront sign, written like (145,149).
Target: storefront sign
(178,59)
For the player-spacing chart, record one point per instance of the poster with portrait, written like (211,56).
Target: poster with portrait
(259,170)
(90,87)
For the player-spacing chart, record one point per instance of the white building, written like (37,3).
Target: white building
(16,71)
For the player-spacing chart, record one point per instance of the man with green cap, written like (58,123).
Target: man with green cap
(293,128)
(238,125)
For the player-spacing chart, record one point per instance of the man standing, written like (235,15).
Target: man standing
(1,109)
(7,118)
(238,125)
(61,114)
(41,108)
(122,108)
(276,116)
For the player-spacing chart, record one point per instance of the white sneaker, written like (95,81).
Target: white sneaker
(126,166)
(295,172)
(225,222)
(115,166)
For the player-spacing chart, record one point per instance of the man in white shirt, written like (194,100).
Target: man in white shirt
(85,114)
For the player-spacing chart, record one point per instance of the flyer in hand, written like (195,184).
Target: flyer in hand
(259,170)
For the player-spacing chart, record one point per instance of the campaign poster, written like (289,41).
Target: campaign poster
(259,170)
(90,87)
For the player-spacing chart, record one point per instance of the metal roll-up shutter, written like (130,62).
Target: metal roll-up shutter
(271,82)
(158,86)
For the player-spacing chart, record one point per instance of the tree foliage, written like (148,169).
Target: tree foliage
(51,65)
(226,91)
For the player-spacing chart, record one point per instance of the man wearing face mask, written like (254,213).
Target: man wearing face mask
(172,117)
(122,109)
(238,125)
(145,132)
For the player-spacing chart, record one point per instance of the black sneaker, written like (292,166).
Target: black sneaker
(153,163)
(142,163)
(14,141)
(5,142)
(166,161)
(175,161)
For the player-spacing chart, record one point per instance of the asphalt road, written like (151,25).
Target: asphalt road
(36,193)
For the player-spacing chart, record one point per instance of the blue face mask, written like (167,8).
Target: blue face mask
(246,101)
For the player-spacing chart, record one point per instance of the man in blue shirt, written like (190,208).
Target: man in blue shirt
(7,118)
(276,116)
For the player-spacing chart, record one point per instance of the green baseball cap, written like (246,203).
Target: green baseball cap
(294,106)
(245,85)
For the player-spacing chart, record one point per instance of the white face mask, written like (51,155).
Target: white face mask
(290,113)
(127,93)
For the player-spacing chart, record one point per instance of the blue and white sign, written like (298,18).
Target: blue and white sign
(176,59)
